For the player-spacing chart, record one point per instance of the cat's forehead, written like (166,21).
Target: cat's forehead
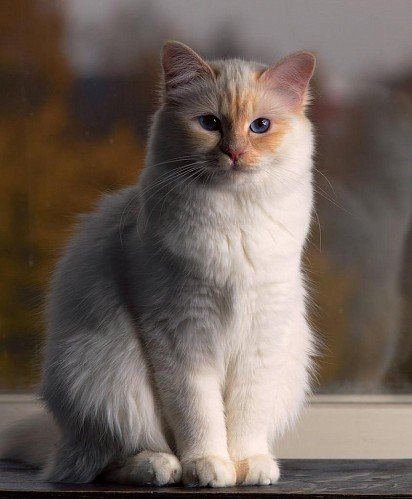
(243,72)
(237,85)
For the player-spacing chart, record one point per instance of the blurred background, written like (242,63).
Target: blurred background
(77,86)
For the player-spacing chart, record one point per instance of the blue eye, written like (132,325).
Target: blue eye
(209,122)
(261,125)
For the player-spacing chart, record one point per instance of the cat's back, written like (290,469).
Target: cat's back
(88,275)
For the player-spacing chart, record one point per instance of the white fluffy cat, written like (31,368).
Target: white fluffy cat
(178,346)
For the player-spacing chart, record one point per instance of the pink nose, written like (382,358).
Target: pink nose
(234,154)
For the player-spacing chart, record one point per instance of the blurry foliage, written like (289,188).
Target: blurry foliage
(330,292)
(65,139)
(363,183)
(48,175)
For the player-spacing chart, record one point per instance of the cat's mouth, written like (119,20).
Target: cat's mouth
(234,168)
(217,170)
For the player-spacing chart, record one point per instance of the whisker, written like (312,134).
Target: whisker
(163,178)
(126,208)
(173,160)
(327,180)
(168,193)
(279,179)
(320,230)
(157,188)
(318,190)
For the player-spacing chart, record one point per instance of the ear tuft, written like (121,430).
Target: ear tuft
(291,77)
(181,65)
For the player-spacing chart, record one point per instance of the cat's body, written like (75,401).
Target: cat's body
(177,315)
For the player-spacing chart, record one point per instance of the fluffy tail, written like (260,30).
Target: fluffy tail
(31,441)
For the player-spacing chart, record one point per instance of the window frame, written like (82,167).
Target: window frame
(330,427)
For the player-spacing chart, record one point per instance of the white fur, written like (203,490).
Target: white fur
(253,245)
(217,364)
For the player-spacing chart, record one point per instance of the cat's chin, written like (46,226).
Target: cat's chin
(247,170)
(240,178)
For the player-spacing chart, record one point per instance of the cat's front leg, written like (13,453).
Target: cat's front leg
(190,390)
(249,406)
(266,389)
(196,411)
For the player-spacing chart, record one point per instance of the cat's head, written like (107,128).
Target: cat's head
(231,118)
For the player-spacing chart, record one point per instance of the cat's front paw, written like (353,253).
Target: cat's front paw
(209,472)
(257,470)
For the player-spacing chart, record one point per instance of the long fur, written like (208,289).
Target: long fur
(177,337)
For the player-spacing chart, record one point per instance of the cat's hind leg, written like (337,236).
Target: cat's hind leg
(100,393)
(78,461)
(145,468)
(74,461)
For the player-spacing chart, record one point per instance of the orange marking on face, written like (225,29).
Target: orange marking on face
(272,139)
(237,106)
(264,144)
(240,98)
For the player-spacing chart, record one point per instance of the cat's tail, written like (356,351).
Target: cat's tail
(31,441)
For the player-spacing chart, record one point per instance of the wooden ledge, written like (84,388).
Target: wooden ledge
(320,478)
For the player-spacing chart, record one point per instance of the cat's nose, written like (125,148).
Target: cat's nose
(234,154)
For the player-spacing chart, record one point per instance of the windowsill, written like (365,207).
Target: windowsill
(331,427)
(300,478)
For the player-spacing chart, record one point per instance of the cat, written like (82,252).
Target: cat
(178,347)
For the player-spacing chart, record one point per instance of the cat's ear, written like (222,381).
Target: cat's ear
(181,66)
(290,78)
